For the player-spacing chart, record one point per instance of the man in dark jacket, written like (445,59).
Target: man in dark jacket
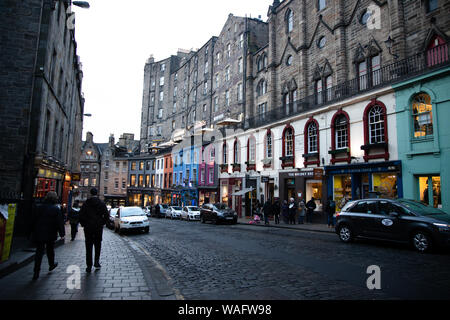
(93,216)
(267,209)
(47,222)
(310,207)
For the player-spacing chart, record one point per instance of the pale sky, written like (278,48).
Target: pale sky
(115,38)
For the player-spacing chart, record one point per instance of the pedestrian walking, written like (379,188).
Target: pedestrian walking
(292,211)
(276,211)
(47,222)
(93,216)
(285,211)
(302,211)
(74,219)
(310,207)
(267,210)
(330,209)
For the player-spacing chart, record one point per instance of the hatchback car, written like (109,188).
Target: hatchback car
(190,213)
(217,213)
(112,216)
(399,220)
(174,212)
(131,218)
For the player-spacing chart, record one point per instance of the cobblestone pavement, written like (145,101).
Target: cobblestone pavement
(120,278)
(234,262)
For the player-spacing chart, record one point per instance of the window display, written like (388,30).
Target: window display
(342,189)
(385,184)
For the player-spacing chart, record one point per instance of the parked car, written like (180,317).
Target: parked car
(401,220)
(163,210)
(148,211)
(190,213)
(131,218)
(218,212)
(112,216)
(174,212)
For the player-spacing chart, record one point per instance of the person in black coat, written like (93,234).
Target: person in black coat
(285,211)
(93,216)
(310,207)
(292,211)
(47,222)
(74,219)
(267,209)
(276,211)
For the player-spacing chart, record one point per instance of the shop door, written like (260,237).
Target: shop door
(430,191)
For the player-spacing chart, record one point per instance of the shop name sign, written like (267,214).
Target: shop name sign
(315,174)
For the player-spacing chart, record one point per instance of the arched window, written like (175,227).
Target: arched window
(236,152)
(269,145)
(376,124)
(251,150)
(340,138)
(289,20)
(261,88)
(375,131)
(212,154)
(224,153)
(312,138)
(341,132)
(422,113)
(288,150)
(289,142)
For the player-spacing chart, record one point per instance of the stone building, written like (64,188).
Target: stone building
(41,103)
(90,165)
(199,88)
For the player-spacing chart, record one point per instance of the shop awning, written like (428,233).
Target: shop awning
(242,192)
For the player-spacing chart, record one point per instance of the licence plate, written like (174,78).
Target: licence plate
(229,218)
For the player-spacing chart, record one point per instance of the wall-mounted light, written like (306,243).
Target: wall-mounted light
(389,43)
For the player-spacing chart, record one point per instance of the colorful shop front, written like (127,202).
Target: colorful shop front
(365,180)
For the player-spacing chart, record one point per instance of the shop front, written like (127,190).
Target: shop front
(208,195)
(304,184)
(229,186)
(52,178)
(366,180)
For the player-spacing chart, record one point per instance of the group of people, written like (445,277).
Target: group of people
(48,221)
(292,210)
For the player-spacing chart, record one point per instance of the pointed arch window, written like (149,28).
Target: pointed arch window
(437,51)
(261,88)
(288,147)
(311,134)
(340,135)
(375,131)
(289,21)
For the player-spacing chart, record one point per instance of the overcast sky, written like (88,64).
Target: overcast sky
(115,38)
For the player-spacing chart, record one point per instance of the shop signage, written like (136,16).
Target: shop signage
(302,174)
(76,176)
(318,174)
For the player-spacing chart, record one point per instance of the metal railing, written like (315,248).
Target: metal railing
(398,71)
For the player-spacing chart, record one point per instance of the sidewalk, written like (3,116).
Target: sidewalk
(121,276)
(318,227)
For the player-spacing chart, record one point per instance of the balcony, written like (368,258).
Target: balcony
(398,71)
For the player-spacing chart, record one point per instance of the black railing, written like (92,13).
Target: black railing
(387,75)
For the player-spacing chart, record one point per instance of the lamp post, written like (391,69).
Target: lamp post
(389,43)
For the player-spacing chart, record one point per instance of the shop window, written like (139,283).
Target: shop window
(385,185)
(422,114)
(342,188)
(431,197)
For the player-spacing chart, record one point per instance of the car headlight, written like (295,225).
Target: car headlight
(219,213)
(145,220)
(123,222)
(443,227)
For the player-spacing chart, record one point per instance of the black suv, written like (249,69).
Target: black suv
(394,220)
(217,212)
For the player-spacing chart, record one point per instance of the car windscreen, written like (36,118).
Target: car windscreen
(129,212)
(221,206)
(194,208)
(420,208)
(165,206)
(176,208)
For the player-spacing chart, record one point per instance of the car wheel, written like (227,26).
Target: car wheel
(202,219)
(421,241)
(345,233)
